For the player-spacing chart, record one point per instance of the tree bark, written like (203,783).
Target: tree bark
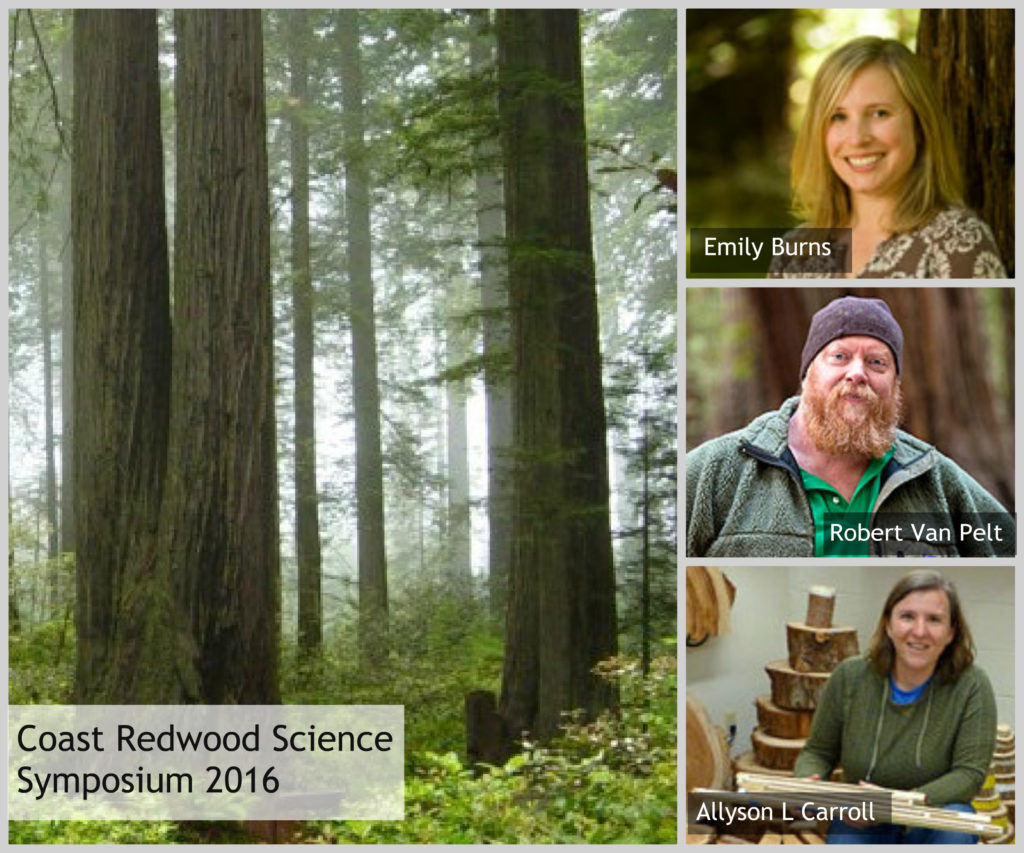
(819,649)
(490,223)
(792,690)
(487,741)
(67,358)
(561,618)
(457,437)
(821,604)
(307,521)
(776,752)
(219,532)
(970,53)
(373,590)
(782,722)
(13,610)
(121,337)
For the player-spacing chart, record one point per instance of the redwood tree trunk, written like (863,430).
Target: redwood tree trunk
(490,221)
(373,590)
(456,350)
(561,618)
(219,531)
(970,53)
(67,356)
(121,335)
(307,521)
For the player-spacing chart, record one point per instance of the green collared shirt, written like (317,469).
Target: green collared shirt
(825,499)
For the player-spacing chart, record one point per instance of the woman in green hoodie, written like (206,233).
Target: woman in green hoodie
(913,713)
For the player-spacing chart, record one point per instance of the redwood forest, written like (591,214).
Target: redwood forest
(342,371)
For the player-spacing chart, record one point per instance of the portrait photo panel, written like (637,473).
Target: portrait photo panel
(808,683)
(885,411)
(874,143)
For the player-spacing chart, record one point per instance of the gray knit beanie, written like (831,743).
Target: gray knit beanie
(852,315)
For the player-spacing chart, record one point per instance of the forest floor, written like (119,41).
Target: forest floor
(610,781)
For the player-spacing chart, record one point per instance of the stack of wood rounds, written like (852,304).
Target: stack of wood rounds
(998,798)
(1004,761)
(784,717)
(987,802)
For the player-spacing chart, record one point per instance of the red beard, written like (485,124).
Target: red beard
(844,429)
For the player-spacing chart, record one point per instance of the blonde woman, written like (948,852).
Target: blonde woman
(876,155)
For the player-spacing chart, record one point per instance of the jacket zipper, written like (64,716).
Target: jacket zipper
(765,457)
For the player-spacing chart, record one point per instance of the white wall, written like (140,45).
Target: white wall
(727,672)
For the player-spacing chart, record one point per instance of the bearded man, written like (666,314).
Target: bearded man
(830,474)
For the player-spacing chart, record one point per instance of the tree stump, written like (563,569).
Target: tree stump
(782,722)
(794,690)
(821,603)
(813,649)
(272,831)
(487,739)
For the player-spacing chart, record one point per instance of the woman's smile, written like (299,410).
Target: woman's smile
(865,163)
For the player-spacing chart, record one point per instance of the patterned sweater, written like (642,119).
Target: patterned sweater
(955,244)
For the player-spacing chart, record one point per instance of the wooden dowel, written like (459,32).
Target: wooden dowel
(907,807)
(906,815)
(781,783)
(925,812)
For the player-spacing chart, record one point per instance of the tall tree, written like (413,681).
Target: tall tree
(971,53)
(67,432)
(373,589)
(45,332)
(121,334)
(561,617)
(490,223)
(219,534)
(456,348)
(307,522)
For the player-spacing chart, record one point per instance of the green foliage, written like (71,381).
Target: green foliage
(91,832)
(442,647)
(610,781)
(41,664)
(644,433)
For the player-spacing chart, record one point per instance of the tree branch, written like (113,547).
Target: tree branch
(53,87)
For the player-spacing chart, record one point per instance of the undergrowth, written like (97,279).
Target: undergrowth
(609,781)
(612,780)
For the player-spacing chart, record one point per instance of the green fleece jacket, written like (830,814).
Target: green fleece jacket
(745,498)
(941,744)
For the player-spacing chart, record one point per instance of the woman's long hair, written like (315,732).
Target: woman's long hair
(934,181)
(955,658)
